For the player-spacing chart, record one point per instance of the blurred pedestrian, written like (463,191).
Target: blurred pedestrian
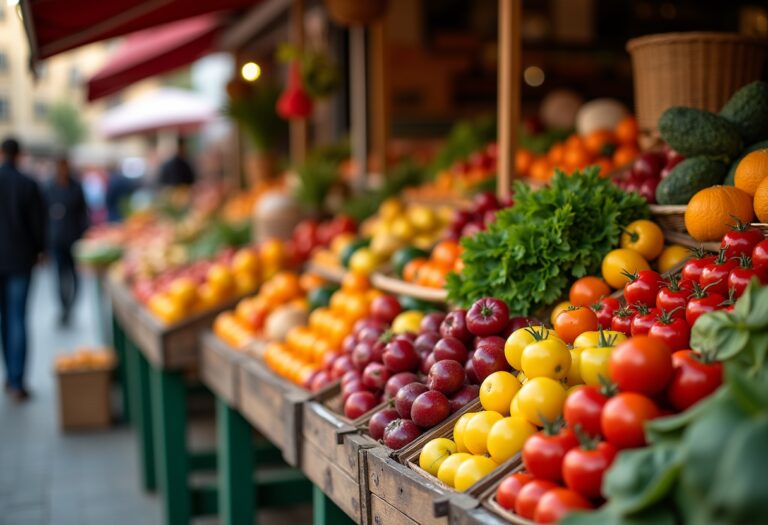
(22,240)
(119,190)
(67,221)
(177,171)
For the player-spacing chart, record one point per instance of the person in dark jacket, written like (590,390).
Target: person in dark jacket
(177,171)
(67,221)
(22,240)
(119,189)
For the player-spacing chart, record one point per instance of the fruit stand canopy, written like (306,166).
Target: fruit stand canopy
(54,26)
(154,51)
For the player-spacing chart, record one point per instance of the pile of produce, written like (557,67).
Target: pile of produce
(647,171)
(533,251)
(85,359)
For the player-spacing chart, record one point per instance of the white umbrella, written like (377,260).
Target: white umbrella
(164,108)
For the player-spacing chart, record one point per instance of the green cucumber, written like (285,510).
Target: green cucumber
(688,178)
(694,132)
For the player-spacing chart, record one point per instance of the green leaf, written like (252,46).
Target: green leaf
(718,334)
(608,515)
(756,317)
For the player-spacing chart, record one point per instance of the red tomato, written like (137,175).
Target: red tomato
(760,254)
(557,503)
(741,240)
(643,319)
(641,364)
(675,332)
(715,275)
(583,407)
(574,321)
(643,287)
(506,494)
(622,320)
(693,267)
(529,496)
(605,310)
(543,453)
(673,294)
(692,379)
(623,418)
(740,277)
(583,468)
(701,302)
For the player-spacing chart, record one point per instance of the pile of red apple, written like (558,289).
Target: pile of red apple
(311,234)
(428,376)
(647,171)
(466,223)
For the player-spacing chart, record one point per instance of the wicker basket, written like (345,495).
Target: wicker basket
(700,70)
(669,217)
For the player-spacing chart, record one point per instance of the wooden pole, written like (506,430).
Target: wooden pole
(379,109)
(298,127)
(510,43)
(358,104)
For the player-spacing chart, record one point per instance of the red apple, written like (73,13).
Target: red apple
(427,362)
(426,342)
(352,375)
(370,334)
(446,376)
(385,308)
(400,433)
(463,397)
(358,404)
(341,365)
(398,381)
(487,360)
(430,408)
(488,340)
(362,355)
(375,376)
(455,325)
(469,369)
(348,344)
(379,421)
(350,388)
(450,348)
(406,396)
(400,356)
(431,322)
(487,316)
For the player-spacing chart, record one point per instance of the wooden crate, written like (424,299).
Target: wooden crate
(334,481)
(171,346)
(485,508)
(219,364)
(273,406)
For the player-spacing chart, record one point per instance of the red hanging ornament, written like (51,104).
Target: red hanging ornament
(294,103)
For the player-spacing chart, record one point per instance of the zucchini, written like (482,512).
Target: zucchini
(688,178)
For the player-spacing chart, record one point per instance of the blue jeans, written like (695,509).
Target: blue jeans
(14,289)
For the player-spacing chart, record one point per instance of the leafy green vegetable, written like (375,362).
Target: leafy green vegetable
(532,252)
(318,175)
(466,137)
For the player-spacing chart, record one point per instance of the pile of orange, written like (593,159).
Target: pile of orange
(608,149)
(431,272)
(307,348)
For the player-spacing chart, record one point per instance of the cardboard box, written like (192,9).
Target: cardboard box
(85,399)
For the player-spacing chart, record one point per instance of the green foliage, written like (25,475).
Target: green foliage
(465,138)
(254,111)
(407,173)
(67,124)
(319,173)
(319,73)
(533,251)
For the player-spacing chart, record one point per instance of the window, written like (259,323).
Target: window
(3,62)
(74,77)
(40,110)
(5,110)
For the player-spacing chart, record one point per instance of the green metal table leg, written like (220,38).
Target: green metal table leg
(138,393)
(325,511)
(118,341)
(170,424)
(102,306)
(236,462)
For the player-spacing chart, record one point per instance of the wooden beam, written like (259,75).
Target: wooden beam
(510,43)
(298,127)
(358,104)
(379,105)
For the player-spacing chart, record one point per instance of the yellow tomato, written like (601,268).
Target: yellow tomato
(574,372)
(507,437)
(592,338)
(447,471)
(165,308)
(594,364)
(471,471)
(245,261)
(390,209)
(497,391)
(645,237)
(557,309)
(363,261)
(458,431)
(541,399)
(434,453)
(514,407)
(246,283)
(183,290)
(220,277)
(549,358)
(522,337)
(671,256)
(407,321)
(423,218)
(619,261)
(402,229)
(476,431)
(272,253)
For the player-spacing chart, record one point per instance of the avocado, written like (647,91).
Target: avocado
(747,110)
(688,178)
(693,132)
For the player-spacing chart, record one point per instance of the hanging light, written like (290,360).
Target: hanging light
(250,71)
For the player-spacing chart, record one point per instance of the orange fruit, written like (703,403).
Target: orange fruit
(597,141)
(605,165)
(626,131)
(761,201)
(624,155)
(411,269)
(523,161)
(555,154)
(576,158)
(445,253)
(586,291)
(310,281)
(712,210)
(574,142)
(751,171)
(353,281)
(541,170)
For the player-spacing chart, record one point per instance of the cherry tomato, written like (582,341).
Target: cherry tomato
(583,407)
(643,319)
(739,278)
(529,496)
(584,467)
(622,320)
(740,240)
(701,302)
(604,310)
(641,364)
(506,494)
(760,254)
(692,379)
(588,290)
(643,287)
(557,503)
(487,316)
(573,321)
(672,295)
(715,274)
(645,237)
(543,453)
(693,267)
(624,416)
(675,332)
